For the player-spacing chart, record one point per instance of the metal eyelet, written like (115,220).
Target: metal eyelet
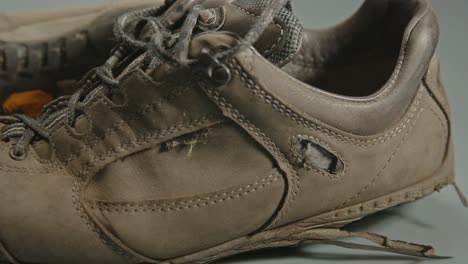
(208,17)
(17,155)
(217,71)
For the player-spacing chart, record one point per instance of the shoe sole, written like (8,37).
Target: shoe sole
(306,230)
(38,53)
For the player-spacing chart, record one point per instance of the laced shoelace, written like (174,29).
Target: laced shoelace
(157,49)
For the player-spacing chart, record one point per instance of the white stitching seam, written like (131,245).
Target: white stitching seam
(268,144)
(288,112)
(374,179)
(153,206)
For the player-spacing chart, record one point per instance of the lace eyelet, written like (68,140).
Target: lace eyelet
(208,17)
(17,155)
(219,73)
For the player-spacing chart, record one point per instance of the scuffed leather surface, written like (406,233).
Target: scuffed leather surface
(155,228)
(371,143)
(39,221)
(116,191)
(370,168)
(158,174)
(121,158)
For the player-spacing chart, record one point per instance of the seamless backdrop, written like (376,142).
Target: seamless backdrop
(439,220)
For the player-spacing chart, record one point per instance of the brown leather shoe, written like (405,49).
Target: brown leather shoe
(46,51)
(190,145)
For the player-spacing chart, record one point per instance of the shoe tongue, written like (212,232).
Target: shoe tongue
(279,43)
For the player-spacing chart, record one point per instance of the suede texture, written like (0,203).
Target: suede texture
(169,166)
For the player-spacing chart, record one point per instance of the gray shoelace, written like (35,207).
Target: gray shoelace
(158,48)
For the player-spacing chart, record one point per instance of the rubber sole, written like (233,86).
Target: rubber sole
(309,229)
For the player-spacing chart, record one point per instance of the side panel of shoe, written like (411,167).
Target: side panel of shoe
(394,138)
(436,87)
(42,216)
(377,139)
(150,193)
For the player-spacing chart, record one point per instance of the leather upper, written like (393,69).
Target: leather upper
(169,165)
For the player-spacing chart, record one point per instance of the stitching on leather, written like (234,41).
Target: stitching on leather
(376,204)
(145,109)
(269,144)
(71,132)
(387,163)
(288,112)
(441,122)
(58,124)
(194,202)
(117,207)
(296,138)
(401,61)
(275,44)
(140,114)
(6,168)
(92,226)
(80,210)
(52,163)
(49,167)
(391,201)
(142,140)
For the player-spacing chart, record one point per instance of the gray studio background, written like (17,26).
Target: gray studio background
(439,220)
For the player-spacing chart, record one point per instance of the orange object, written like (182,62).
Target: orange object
(29,103)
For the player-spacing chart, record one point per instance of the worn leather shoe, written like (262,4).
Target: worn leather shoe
(218,128)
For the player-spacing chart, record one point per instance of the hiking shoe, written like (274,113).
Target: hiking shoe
(43,53)
(221,128)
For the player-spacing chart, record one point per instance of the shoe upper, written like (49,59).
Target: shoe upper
(172,162)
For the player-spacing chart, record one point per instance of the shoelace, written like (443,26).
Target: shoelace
(156,50)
